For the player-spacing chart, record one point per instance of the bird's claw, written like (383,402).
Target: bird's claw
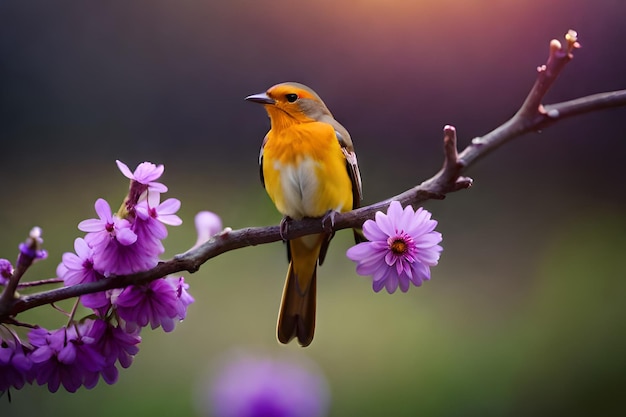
(328,221)
(284,227)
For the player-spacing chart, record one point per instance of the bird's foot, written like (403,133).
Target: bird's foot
(284,227)
(328,221)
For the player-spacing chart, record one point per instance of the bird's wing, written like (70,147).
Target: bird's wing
(261,161)
(355,176)
(351,163)
(347,148)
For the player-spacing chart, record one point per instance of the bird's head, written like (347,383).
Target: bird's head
(291,102)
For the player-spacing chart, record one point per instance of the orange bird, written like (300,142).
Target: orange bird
(309,169)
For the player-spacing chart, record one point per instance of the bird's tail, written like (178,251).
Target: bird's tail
(297,309)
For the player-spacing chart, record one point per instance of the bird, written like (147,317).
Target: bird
(309,168)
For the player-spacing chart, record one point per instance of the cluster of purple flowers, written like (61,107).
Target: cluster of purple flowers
(115,244)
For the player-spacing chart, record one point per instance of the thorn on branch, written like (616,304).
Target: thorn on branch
(450,149)
(448,179)
(463,183)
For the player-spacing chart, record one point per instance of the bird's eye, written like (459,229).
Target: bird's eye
(291,97)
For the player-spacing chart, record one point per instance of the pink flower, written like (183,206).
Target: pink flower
(117,248)
(145,173)
(77,268)
(155,215)
(107,227)
(401,249)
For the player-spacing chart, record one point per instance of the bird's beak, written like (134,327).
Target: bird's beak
(262,98)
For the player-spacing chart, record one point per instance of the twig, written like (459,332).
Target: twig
(532,116)
(40,282)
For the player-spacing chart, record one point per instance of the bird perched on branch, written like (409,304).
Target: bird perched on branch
(309,169)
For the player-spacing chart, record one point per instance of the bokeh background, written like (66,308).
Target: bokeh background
(525,313)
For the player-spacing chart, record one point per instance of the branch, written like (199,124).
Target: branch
(532,116)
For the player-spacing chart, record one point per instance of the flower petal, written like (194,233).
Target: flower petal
(82,248)
(103,209)
(391,284)
(372,231)
(147,172)
(378,285)
(91,225)
(395,210)
(421,273)
(430,256)
(125,170)
(385,224)
(404,282)
(169,206)
(358,252)
(126,236)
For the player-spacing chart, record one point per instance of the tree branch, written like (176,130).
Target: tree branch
(532,116)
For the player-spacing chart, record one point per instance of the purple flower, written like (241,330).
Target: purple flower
(6,271)
(142,184)
(30,250)
(120,259)
(117,248)
(251,386)
(155,303)
(403,246)
(65,357)
(116,345)
(145,173)
(14,365)
(101,231)
(160,213)
(151,219)
(184,299)
(79,268)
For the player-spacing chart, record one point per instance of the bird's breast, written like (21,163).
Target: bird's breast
(299,187)
(305,171)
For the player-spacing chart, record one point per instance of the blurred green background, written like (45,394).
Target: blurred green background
(525,313)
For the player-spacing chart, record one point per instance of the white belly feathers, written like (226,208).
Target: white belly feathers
(300,188)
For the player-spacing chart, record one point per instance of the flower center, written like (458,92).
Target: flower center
(398,246)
